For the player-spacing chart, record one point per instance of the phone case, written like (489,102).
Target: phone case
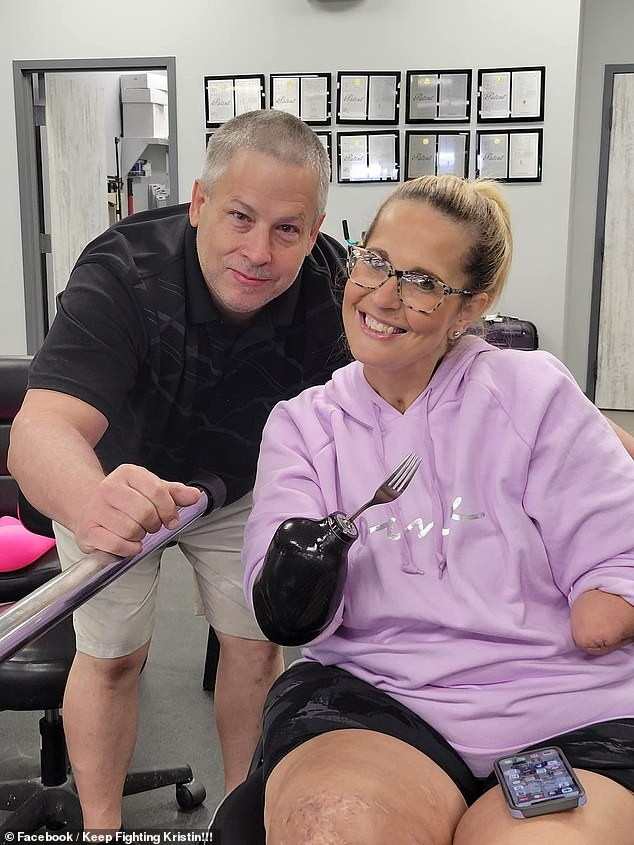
(552,805)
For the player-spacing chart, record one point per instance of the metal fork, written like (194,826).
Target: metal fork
(393,485)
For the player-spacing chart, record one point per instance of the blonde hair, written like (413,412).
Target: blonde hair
(481,207)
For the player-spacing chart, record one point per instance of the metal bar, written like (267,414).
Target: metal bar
(32,616)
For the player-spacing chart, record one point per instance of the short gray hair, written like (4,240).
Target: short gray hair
(282,136)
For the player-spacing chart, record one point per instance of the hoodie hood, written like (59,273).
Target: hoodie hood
(344,387)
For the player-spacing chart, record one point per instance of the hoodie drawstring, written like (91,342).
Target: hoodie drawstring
(438,510)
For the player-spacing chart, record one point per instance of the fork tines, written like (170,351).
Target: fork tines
(404,472)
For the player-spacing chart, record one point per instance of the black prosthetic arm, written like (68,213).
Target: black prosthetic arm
(300,585)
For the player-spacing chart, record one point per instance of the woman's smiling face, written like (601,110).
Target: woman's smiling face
(399,347)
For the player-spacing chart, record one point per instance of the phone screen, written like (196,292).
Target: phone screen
(538,776)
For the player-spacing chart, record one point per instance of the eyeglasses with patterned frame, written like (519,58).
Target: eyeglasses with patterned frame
(370,270)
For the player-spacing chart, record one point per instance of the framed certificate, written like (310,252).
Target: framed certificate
(511,94)
(228,96)
(436,154)
(368,97)
(437,96)
(368,157)
(510,156)
(306,95)
(326,140)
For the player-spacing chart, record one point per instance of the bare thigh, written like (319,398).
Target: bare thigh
(606,819)
(360,787)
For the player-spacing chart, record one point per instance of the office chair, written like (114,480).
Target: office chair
(35,677)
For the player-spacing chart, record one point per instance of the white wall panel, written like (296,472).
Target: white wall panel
(606,40)
(77,178)
(615,359)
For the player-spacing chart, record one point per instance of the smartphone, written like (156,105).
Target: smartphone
(538,782)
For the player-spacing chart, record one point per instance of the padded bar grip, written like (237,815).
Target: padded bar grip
(38,612)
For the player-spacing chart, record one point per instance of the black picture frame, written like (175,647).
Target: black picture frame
(222,100)
(326,138)
(303,79)
(511,94)
(433,164)
(433,108)
(365,108)
(512,164)
(365,173)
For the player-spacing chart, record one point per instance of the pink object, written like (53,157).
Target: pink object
(18,546)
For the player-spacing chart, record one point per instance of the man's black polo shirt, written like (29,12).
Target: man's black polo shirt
(138,337)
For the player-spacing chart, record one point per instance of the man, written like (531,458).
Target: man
(177,333)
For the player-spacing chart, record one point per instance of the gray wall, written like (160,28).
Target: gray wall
(308,35)
(606,39)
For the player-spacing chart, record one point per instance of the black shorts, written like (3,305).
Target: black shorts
(310,699)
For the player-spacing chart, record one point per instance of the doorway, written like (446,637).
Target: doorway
(611,350)
(69,179)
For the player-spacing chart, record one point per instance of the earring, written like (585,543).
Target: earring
(456,335)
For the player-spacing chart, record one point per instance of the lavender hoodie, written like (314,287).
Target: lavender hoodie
(457,597)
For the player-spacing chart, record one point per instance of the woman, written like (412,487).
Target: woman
(489,608)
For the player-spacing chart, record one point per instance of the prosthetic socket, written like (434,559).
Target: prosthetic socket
(300,585)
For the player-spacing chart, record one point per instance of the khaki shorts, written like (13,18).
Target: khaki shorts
(120,618)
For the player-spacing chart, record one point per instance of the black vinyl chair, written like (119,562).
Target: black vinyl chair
(212,655)
(35,677)
(240,817)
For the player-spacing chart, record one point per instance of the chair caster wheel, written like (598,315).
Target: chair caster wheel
(190,795)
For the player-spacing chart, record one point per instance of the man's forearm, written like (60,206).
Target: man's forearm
(54,466)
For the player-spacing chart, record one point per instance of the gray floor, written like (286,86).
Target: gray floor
(176,714)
